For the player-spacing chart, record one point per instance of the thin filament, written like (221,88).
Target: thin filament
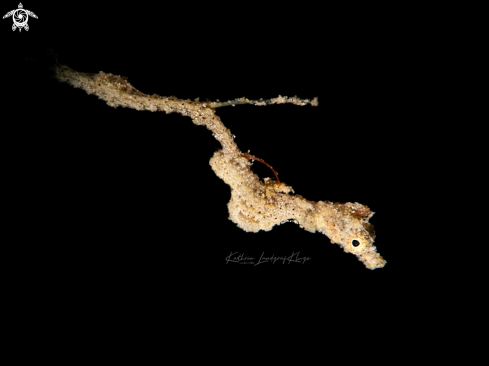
(248,156)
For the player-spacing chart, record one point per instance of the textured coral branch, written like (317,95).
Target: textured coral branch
(254,205)
(279,100)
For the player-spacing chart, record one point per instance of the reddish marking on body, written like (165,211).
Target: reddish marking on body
(359,212)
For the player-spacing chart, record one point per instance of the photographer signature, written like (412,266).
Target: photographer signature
(242,259)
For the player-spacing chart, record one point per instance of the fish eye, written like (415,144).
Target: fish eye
(355,243)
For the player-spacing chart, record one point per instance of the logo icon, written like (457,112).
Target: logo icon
(20,17)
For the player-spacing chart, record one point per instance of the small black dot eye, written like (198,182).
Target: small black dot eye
(355,243)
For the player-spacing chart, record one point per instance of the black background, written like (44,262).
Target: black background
(126,199)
